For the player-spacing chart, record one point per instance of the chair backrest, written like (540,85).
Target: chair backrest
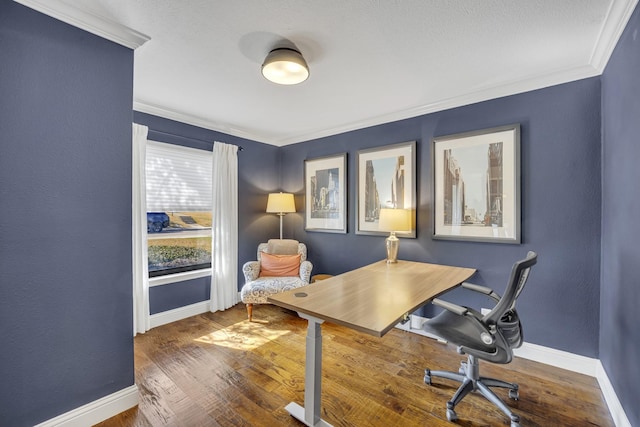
(283,247)
(517,280)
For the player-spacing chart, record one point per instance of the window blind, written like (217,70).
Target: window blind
(178,178)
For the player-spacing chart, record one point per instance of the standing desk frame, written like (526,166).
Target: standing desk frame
(370,299)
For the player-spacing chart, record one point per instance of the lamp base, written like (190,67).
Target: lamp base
(281,216)
(392,243)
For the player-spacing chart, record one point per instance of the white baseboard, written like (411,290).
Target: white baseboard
(615,407)
(109,406)
(179,313)
(558,358)
(96,411)
(537,353)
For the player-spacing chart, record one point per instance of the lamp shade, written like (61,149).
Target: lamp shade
(280,203)
(285,66)
(397,220)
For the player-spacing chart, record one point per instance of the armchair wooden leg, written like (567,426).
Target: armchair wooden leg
(250,312)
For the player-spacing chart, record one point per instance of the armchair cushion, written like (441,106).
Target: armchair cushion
(282,247)
(258,291)
(279,265)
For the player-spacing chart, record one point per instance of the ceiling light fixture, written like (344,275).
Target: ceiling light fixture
(285,66)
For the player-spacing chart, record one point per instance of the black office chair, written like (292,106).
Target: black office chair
(491,337)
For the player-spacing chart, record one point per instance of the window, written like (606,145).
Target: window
(178,208)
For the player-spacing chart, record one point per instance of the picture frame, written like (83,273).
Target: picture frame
(386,177)
(476,185)
(325,181)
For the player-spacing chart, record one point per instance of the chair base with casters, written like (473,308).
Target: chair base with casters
(469,376)
(491,337)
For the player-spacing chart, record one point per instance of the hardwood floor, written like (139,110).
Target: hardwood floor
(217,369)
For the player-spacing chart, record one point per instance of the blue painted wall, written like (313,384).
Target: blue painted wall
(65,234)
(560,207)
(258,174)
(620,299)
(179,294)
(65,283)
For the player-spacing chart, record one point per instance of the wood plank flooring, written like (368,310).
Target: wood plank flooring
(217,369)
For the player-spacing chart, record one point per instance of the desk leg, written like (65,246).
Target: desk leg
(310,413)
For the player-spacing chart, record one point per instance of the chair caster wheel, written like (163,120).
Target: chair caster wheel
(427,376)
(452,416)
(514,394)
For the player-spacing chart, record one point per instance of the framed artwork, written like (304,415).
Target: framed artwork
(386,178)
(326,194)
(476,185)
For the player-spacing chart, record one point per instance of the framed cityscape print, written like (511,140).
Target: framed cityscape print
(386,178)
(326,194)
(476,185)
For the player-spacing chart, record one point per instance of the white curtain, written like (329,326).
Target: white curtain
(139,225)
(224,228)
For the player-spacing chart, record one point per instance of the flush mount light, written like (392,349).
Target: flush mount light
(285,66)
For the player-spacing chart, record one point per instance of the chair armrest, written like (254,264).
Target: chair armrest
(305,271)
(454,308)
(251,270)
(481,289)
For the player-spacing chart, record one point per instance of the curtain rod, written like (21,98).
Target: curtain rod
(240,148)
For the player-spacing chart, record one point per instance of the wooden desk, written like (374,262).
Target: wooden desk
(371,299)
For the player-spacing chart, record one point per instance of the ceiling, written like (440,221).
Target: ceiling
(371,61)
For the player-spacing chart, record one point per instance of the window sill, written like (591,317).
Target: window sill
(179,277)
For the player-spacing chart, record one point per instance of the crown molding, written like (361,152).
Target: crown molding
(480,95)
(483,94)
(614,24)
(88,21)
(189,119)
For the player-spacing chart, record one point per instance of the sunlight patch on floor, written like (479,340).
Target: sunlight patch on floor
(242,336)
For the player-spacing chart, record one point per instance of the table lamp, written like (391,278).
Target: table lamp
(394,221)
(281,204)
